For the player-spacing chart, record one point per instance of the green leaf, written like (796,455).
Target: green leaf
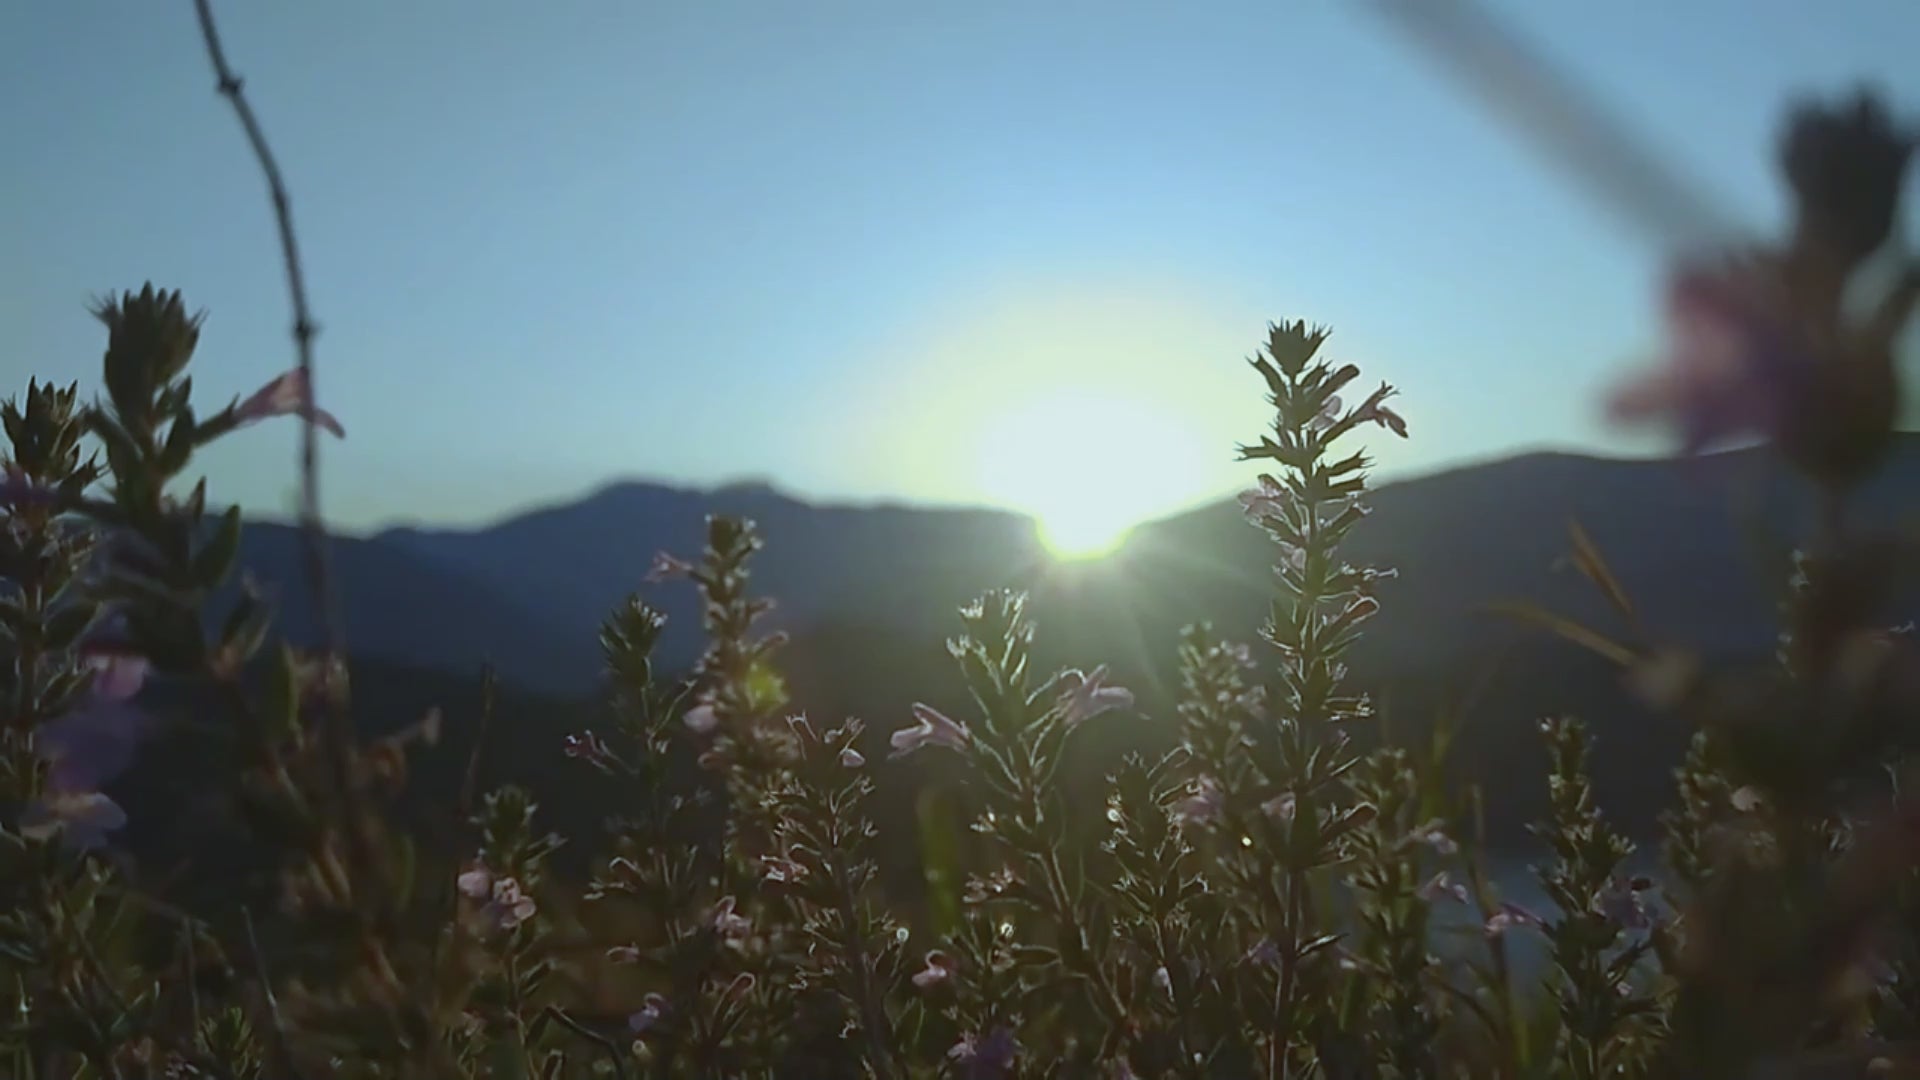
(66,626)
(215,560)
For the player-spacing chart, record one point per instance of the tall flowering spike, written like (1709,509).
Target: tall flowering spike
(150,339)
(290,394)
(1293,345)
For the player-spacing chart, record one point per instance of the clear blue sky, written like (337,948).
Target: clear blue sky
(841,244)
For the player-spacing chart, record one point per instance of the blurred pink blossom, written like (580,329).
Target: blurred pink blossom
(289,394)
(1730,369)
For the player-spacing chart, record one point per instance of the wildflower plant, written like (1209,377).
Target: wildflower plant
(1271,897)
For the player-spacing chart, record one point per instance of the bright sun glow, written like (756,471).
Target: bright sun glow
(1090,465)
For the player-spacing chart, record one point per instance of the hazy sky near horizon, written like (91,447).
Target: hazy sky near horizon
(974,253)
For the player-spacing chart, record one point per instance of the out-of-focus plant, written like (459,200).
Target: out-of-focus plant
(1788,843)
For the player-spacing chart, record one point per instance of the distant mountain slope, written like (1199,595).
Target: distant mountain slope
(530,592)
(871,592)
(408,608)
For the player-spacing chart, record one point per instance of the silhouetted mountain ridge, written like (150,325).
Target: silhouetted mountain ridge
(529,592)
(870,592)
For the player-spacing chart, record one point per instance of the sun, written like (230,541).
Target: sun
(1090,465)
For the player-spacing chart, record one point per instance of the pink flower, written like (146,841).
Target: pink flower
(1434,835)
(591,749)
(989,1057)
(1265,953)
(18,490)
(476,883)
(81,819)
(1328,415)
(1731,368)
(1510,915)
(938,971)
(288,395)
(781,869)
(1202,805)
(1372,410)
(1280,808)
(1267,500)
(1622,904)
(1091,696)
(728,923)
(667,568)
(653,1010)
(1295,555)
(1440,886)
(94,741)
(509,907)
(851,758)
(932,728)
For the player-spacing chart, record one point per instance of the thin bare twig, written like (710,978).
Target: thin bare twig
(339,724)
(304,330)
(1564,120)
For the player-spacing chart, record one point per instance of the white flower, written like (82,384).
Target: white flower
(851,758)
